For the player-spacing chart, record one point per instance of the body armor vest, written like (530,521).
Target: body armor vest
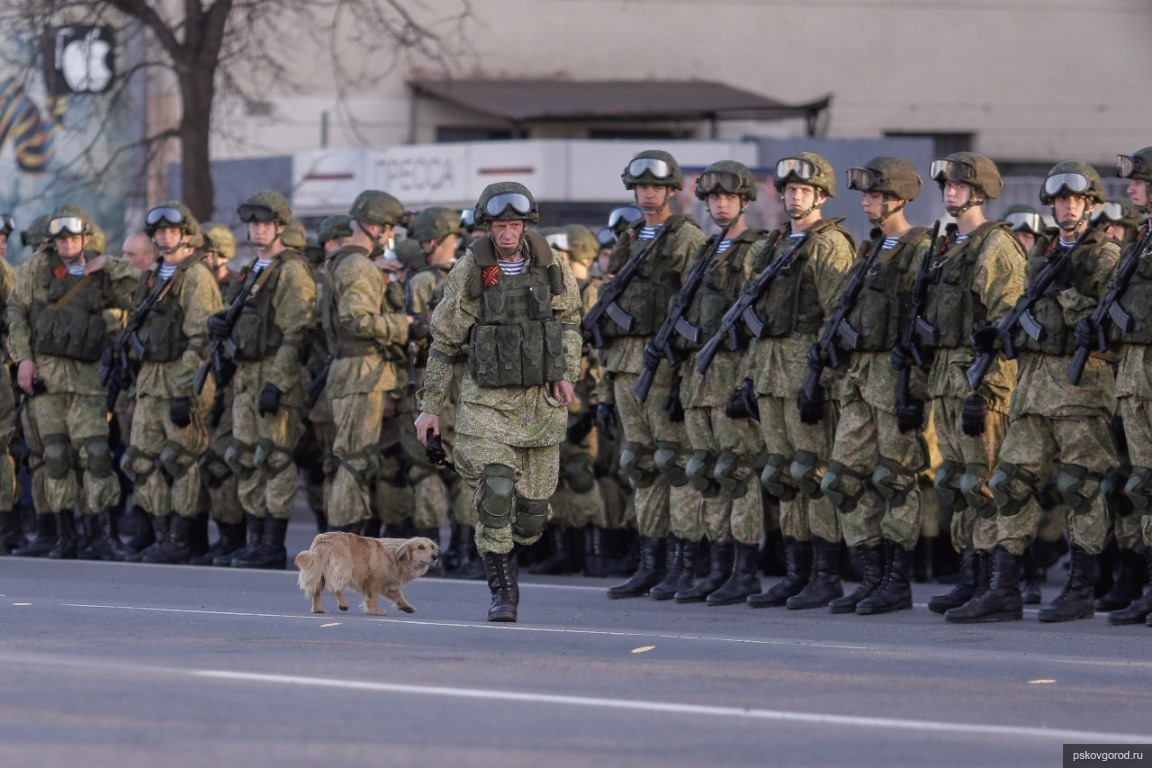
(161,334)
(952,306)
(646,297)
(791,303)
(517,341)
(877,313)
(76,329)
(341,342)
(722,285)
(255,334)
(1137,300)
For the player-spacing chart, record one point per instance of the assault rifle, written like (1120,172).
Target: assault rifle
(215,362)
(116,371)
(1109,310)
(675,322)
(753,290)
(316,387)
(607,302)
(1021,313)
(916,325)
(838,327)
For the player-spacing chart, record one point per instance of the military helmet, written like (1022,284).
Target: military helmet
(264,206)
(1137,166)
(173,214)
(977,171)
(69,219)
(806,168)
(219,240)
(435,224)
(1072,177)
(334,227)
(313,251)
(411,255)
(7,224)
(37,231)
(623,216)
(506,201)
(373,206)
(583,246)
(1023,218)
(97,241)
(1118,210)
(726,176)
(468,220)
(893,176)
(294,235)
(655,167)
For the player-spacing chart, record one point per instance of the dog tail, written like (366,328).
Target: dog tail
(311,578)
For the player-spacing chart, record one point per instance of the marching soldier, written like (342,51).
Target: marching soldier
(513,311)
(1026,223)
(11,526)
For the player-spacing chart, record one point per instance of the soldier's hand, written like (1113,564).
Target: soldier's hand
(424,422)
(25,374)
(910,415)
(180,411)
(652,357)
(811,408)
(974,415)
(900,357)
(984,339)
(606,419)
(418,327)
(815,359)
(218,327)
(269,401)
(1086,336)
(563,392)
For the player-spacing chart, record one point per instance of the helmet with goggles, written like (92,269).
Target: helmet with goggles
(37,232)
(265,206)
(1136,166)
(726,176)
(506,201)
(977,171)
(218,239)
(892,176)
(1023,218)
(1118,210)
(1072,178)
(655,167)
(69,219)
(583,246)
(434,224)
(805,168)
(373,206)
(622,217)
(334,227)
(172,214)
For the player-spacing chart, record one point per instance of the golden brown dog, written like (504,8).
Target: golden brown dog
(372,567)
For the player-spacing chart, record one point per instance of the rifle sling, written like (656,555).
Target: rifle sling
(71,293)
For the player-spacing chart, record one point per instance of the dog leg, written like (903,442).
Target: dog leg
(372,605)
(397,597)
(340,601)
(317,607)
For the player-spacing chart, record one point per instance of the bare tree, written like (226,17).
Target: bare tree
(234,50)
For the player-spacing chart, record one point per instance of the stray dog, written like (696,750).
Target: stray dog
(372,567)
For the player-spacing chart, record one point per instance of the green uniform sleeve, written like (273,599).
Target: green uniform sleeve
(124,278)
(361,288)
(831,259)
(199,298)
(452,322)
(998,279)
(295,310)
(567,308)
(19,305)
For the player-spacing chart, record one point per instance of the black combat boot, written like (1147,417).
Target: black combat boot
(11,532)
(66,538)
(743,582)
(230,541)
(595,560)
(1075,601)
(45,538)
(89,539)
(871,559)
(681,571)
(895,590)
(142,534)
(270,555)
(437,567)
(559,560)
(1138,611)
(1001,601)
(177,548)
(374,529)
(1030,583)
(798,559)
(965,587)
(648,575)
(720,555)
(471,564)
(104,539)
(159,525)
(1129,583)
(321,520)
(253,534)
(502,583)
(824,584)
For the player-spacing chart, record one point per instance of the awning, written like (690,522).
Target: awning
(522,102)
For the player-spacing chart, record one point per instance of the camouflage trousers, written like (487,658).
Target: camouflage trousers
(163,459)
(221,489)
(536,473)
(803,516)
(1135,531)
(1040,446)
(578,501)
(72,461)
(438,494)
(718,440)
(393,501)
(261,452)
(357,419)
(971,529)
(867,442)
(9,487)
(660,505)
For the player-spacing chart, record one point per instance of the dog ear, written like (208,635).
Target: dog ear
(405,552)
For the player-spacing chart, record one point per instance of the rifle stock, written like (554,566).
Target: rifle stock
(606,303)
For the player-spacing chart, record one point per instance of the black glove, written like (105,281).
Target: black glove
(910,415)
(742,404)
(216,412)
(811,409)
(901,357)
(973,415)
(652,357)
(984,339)
(180,411)
(672,406)
(218,327)
(1086,336)
(606,419)
(815,359)
(418,328)
(269,401)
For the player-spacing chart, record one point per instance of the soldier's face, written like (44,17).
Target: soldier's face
(723,207)
(1026,239)
(1116,231)
(70,247)
(799,197)
(873,205)
(1069,209)
(506,235)
(263,233)
(956,195)
(650,198)
(1138,193)
(168,238)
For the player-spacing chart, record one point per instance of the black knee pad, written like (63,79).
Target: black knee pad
(893,481)
(699,472)
(1139,489)
(843,486)
(946,481)
(729,475)
(98,457)
(631,458)
(776,478)
(531,517)
(1011,488)
(666,458)
(974,486)
(1078,486)
(578,473)
(57,456)
(495,496)
(807,471)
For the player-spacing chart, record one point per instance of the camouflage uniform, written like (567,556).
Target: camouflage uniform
(11,533)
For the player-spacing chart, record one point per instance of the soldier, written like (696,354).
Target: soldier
(1134,390)
(366,338)
(513,311)
(1026,223)
(1119,219)
(140,251)
(169,433)
(11,526)
(975,276)
(794,307)
(876,455)
(271,308)
(654,447)
(1054,426)
(57,335)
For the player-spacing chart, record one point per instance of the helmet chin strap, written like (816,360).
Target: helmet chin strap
(887,213)
(799,215)
(1073,226)
(660,208)
(736,218)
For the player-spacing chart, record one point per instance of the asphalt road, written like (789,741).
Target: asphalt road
(105,664)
